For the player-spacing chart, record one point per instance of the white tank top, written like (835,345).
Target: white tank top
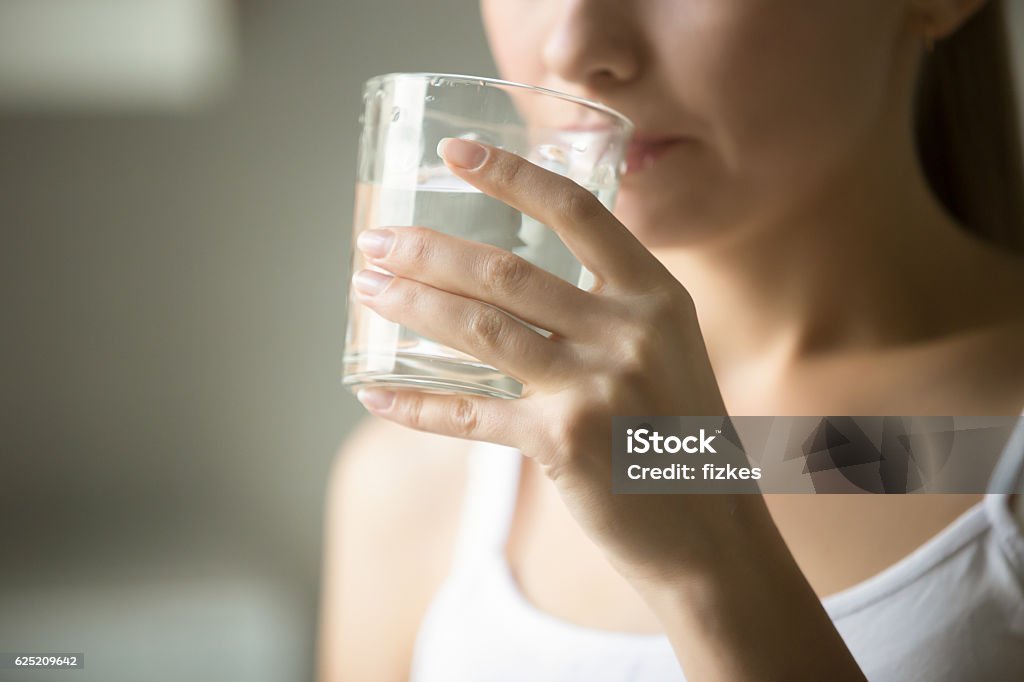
(951,610)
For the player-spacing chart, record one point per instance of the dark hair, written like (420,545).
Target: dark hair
(967,130)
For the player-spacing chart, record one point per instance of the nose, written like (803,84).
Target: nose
(594,44)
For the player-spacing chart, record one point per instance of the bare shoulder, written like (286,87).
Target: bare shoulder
(994,357)
(398,480)
(393,501)
(387,461)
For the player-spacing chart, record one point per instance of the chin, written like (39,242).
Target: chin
(662,224)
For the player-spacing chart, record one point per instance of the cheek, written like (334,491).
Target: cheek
(787,84)
(515,34)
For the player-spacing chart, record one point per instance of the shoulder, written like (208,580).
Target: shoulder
(993,356)
(388,483)
(395,468)
(397,492)
(392,506)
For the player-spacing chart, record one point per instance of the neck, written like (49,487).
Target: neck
(867,258)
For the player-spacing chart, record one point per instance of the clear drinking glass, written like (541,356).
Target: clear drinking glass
(403,182)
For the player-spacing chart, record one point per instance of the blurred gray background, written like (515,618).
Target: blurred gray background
(175,211)
(175,199)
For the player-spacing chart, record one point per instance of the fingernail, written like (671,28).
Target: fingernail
(461,153)
(375,398)
(375,242)
(370,281)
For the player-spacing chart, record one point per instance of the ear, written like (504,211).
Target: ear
(939,19)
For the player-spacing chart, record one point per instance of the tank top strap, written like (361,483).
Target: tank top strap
(489,499)
(1008,476)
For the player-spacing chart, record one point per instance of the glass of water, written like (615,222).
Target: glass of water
(403,182)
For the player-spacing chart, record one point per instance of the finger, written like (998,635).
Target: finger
(496,420)
(588,229)
(486,273)
(481,330)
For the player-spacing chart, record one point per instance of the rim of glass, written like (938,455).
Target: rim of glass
(497,81)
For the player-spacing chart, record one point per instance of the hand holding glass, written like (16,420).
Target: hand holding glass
(403,182)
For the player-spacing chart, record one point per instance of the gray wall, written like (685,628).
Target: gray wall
(172,296)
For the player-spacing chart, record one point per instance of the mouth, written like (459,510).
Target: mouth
(643,148)
(641,153)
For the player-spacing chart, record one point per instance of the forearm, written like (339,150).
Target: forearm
(751,615)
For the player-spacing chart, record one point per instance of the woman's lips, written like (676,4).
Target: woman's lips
(640,154)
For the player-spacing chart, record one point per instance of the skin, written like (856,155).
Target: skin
(725,271)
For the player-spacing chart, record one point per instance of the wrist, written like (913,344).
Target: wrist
(745,611)
(734,537)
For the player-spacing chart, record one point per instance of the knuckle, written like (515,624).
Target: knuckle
(573,421)
(620,387)
(658,302)
(416,245)
(635,349)
(486,326)
(505,272)
(582,206)
(412,408)
(568,433)
(661,301)
(463,419)
(672,315)
(637,368)
(669,302)
(506,170)
(403,295)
